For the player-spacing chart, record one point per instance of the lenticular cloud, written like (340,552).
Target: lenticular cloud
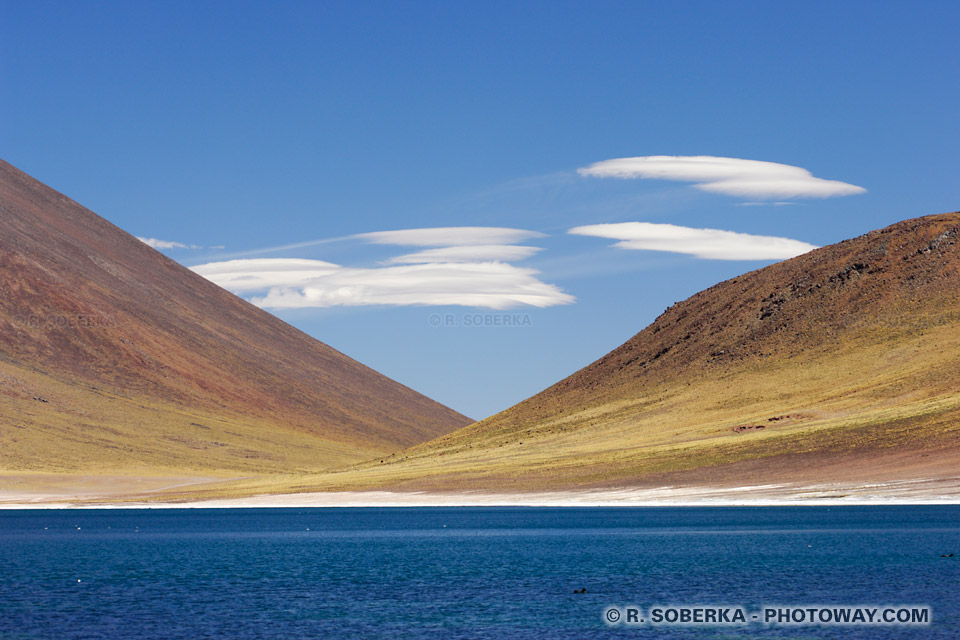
(712,244)
(729,176)
(468,266)
(298,283)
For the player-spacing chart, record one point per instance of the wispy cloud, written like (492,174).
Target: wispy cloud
(468,253)
(450,236)
(729,176)
(170,244)
(425,237)
(166,244)
(298,283)
(713,244)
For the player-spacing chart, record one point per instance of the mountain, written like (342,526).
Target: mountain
(840,364)
(116,359)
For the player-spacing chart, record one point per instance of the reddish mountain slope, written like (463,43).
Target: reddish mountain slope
(113,356)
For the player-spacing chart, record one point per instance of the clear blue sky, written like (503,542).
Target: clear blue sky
(254,125)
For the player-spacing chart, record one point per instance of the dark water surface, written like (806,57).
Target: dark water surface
(464,572)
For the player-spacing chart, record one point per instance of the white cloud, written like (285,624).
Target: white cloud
(468,253)
(713,244)
(468,266)
(170,244)
(450,236)
(729,176)
(165,244)
(252,275)
(298,283)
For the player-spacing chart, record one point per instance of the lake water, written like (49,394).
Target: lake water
(465,572)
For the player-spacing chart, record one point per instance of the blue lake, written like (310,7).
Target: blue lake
(465,572)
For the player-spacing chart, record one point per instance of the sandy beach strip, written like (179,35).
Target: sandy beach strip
(938,491)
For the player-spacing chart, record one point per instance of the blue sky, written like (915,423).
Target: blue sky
(292,132)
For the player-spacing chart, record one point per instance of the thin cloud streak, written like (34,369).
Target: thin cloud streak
(166,244)
(728,176)
(449,236)
(426,237)
(710,244)
(283,247)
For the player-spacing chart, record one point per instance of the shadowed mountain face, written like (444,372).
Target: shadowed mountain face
(114,357)
(839,364)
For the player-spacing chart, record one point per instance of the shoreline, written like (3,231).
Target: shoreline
(923,491)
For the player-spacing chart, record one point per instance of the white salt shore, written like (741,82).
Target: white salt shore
(917,491)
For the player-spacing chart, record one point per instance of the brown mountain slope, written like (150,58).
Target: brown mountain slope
(893,282)
(116,358)
(843,363)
